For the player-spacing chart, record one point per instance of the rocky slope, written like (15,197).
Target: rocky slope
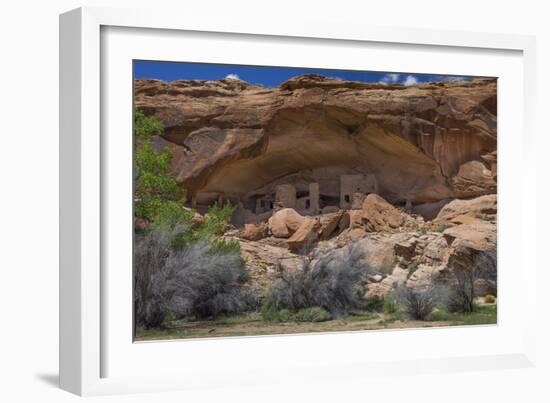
(425,143)
(413,252)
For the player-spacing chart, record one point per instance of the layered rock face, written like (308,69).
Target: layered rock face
(418,144)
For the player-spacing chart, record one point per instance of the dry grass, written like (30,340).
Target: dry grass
(253,325)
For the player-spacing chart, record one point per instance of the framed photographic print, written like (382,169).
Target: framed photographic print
(254,195)
(275,200)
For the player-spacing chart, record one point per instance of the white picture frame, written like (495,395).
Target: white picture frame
(85,307)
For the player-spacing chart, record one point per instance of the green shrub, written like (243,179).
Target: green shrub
(374,304)
(313,314)
(218,218)
(271,314)
(145,126)
(158,195)
(167,214)
(225,246)
(215,223)
(390,305)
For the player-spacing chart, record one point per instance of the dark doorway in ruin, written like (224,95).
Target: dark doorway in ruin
(325,200)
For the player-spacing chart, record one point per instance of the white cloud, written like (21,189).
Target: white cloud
(232,76)
(410,80)
(391,78)
(449,78)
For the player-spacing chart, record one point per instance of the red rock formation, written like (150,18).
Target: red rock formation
(424,143)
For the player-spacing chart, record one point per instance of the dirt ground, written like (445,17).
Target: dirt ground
(253,325)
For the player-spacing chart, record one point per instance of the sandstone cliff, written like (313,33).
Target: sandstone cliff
(424,143)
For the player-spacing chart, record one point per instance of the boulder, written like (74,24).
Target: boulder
(197,220)
(254,232)
(474,178)
(355,234)
(305,235)
(329,223)
(406,248)
(357,201)
(380,289)
(435,251)
(423,276)
(284,223)
(140,224)
(474,263)
(344,222)
(376,253)
(482,235)
(355,219)
(262,260)
(481,205)
(376,278)
(379,215)
(466,219)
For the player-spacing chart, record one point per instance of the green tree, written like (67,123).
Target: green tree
(158,195)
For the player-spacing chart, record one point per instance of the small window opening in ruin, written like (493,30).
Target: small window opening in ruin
(358,189)
(346,198)
(308,203)
(271,205)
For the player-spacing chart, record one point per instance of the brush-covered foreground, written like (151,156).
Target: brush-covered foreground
(253,324)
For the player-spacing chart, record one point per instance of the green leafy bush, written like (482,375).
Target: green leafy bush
(145,126)
(374,304)
(158,195)
(390,305)
(313,314)
(215,223)
(271,314)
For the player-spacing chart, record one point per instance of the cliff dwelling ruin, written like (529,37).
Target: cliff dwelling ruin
(309,194)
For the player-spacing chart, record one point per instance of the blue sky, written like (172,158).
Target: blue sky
(269,76)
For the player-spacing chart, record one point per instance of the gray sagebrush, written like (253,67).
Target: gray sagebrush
(191,281)
(333,281)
